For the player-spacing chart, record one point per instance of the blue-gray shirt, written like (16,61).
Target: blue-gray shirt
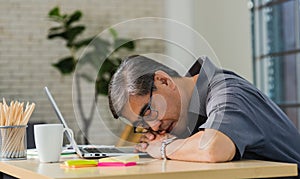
(228,103)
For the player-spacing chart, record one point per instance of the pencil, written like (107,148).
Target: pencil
(13,123)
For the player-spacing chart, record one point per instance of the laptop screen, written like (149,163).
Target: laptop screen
(61,119)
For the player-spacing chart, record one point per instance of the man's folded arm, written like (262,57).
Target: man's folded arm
(208,145)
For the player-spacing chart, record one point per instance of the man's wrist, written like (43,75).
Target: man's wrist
(164,145)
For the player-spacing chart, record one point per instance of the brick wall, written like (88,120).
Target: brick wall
(26,55)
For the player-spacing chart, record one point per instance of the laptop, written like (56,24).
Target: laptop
(89,151)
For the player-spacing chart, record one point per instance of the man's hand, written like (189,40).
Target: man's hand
(144,141)
(147,137)
(214,146)
(151,143)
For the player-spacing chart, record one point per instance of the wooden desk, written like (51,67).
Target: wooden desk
(151,169)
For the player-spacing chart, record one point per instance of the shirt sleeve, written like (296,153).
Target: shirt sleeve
(228,114)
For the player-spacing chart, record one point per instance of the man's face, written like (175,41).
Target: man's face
(165,105)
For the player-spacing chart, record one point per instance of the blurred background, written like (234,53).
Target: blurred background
(258,39)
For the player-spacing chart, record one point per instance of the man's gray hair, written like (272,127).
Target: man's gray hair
(133,77)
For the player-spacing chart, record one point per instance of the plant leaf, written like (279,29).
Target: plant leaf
(53,29)
(54,12)
(66,65)
(124,43)
(113,32)
(102,87)
(69,35)
(64,16)
(52,35)
(108,68)
(82,43)
(95,53)
(72,33)
(74,17)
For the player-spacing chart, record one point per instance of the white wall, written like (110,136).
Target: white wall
(225,25)
(179,31)
(26,54)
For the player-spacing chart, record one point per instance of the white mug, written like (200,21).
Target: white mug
(48,140)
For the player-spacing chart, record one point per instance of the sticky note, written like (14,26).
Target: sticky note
(124,160)
(115,164)
(80,163)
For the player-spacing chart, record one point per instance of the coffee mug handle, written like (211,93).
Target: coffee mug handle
(68,130)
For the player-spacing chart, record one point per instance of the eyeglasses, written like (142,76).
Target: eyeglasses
(148,114)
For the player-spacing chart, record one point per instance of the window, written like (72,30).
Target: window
(276,52)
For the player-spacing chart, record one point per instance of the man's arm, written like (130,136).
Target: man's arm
(205,146)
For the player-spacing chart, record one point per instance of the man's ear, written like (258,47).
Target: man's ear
(162,78)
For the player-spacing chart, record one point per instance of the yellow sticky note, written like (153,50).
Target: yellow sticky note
(122,158)
(80,162)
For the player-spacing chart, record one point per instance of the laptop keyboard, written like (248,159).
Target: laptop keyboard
(102,150)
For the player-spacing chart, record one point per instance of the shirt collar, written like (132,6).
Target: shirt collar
(206,70)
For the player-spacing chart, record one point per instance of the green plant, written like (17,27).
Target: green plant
(68,29)
(69,32)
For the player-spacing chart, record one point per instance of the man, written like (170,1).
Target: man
(210,115)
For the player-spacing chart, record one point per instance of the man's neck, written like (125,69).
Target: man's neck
(189,86)
(185,86)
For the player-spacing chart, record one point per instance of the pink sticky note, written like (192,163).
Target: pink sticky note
(115,164)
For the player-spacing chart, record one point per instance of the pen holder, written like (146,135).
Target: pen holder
(13,143)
